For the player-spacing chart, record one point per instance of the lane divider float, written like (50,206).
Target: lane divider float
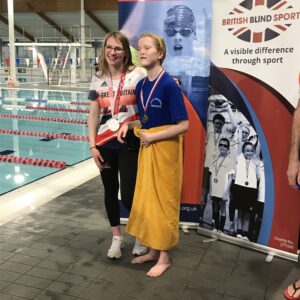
(47,119)
(33,161)
(59,109)
(49,135)
(80,103)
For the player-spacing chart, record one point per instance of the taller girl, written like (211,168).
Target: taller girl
(154,218)
(113,103)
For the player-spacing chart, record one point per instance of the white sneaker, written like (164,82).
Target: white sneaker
(116,245)
(214,230)
(239,236)
(138,248)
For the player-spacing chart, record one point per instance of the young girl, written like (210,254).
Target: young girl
(154,218)
(220,169)
(244,190)
(113,102)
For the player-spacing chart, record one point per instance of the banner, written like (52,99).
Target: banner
(186,28)
(254,89)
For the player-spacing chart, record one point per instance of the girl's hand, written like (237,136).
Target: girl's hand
(97,158)
(122,133)
(145,139)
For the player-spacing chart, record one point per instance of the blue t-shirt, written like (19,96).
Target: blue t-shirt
(166,106)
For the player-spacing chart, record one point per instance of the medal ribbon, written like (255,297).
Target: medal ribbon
(247,168)
(118,94)
(145,106)
(217,168)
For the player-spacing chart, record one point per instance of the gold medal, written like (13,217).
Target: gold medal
(145,119)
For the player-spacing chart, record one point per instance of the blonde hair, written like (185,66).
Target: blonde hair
(122,38)
(159,43)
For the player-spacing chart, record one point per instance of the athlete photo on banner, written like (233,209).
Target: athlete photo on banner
(233,191)
(254,89)
(186,28)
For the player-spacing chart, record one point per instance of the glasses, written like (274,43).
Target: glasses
(183,31)
(118,50)
(220,123)
(223,145)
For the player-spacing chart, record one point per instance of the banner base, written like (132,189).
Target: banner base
(249,245)
(186,226)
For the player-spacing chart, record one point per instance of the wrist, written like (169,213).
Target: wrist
(92,147)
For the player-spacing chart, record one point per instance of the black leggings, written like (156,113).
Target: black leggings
(121,161)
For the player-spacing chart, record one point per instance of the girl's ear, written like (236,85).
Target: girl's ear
(160,54)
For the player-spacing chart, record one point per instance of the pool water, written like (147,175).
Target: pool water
(24,113)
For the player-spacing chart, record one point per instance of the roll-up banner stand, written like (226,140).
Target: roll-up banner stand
(253,92)
(186,29)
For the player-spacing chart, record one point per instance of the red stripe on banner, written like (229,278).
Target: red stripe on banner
(279,5)
(193,157)
(239,31)
(238,11)
(276,121)
(259,2)
(281,27)
(33,161)
(257,37)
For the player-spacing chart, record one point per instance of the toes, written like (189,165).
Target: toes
(158,270)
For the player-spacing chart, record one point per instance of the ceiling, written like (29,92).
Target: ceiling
(56,20)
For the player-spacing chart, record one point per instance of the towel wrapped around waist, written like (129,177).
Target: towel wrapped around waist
(154,217)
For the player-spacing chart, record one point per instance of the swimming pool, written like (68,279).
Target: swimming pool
(41,132)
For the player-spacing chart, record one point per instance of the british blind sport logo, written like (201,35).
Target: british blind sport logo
(258,21)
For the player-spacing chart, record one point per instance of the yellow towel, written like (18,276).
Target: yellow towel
(154,217)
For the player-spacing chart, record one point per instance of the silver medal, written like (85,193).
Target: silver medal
(113,124)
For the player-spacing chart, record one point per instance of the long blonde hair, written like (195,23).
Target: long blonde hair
(127,63)
(159,43)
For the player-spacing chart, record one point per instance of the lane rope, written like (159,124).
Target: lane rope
(47,119)
(33,161)
(80,103)
(49,135)
(59,109)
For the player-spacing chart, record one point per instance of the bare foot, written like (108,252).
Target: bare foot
(152,255)
(158,269)
(163,264)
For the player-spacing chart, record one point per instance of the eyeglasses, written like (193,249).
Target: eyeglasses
(183,31)
(223,145)
(118,50)
(220,123)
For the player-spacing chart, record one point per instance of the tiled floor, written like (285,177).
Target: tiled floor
(58,252)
